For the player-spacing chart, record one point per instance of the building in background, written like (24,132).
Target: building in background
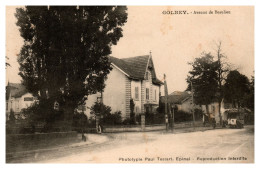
(182,100)
(17,98)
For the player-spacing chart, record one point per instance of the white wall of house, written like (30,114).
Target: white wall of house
(186,105)
(26,100)
(136,97)
(115,93)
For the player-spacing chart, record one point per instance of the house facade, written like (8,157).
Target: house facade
(131,78)
(17,98)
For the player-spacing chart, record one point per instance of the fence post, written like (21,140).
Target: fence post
(142,122)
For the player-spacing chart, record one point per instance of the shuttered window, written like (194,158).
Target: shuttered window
(147,93)
(136,93)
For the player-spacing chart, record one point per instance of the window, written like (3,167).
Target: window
(147,93)
(28,99)
(136,93)
(6,105)
(155,94)
(56,105)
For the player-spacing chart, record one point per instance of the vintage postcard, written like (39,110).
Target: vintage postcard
(129,84)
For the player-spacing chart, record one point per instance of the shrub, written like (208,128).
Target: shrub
(138,119)
(11,117)
(80,121)
(149,118)
(132,113)
(159,118)
(105,113)
(126,121)
(43,113)
(92,122)
(198,114)
(130,121)
(113,119)
(182,116)
(100,109)
(154,118)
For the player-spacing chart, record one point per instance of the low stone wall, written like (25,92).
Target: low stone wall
(188,124)
(156,127)
(128,128)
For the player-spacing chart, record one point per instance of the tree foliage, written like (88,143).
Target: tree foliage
(237,86)
(203,78)
(80,121)
(64,56)
(43,114)
(100,109)
(249,99)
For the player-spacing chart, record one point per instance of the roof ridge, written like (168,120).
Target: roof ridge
(134,57)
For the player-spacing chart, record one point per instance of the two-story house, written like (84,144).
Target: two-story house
(131,78)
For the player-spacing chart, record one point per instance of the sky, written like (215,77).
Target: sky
(174,40)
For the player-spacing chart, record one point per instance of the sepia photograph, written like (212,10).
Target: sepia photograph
(129,84)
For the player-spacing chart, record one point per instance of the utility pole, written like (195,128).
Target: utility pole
(192,102)
(172,117)
(166,102)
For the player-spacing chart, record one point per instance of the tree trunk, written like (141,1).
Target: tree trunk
(68,117)
(219,112)
(207,111)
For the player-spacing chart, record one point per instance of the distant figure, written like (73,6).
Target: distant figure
(84,138)
(100,129)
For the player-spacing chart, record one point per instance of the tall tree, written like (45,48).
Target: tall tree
(203,77)
(237,86)
(222,70)
(64,56)
(249,99)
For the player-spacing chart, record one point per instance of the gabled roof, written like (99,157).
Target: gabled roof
(135,67)
(177,97)
(15,90)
